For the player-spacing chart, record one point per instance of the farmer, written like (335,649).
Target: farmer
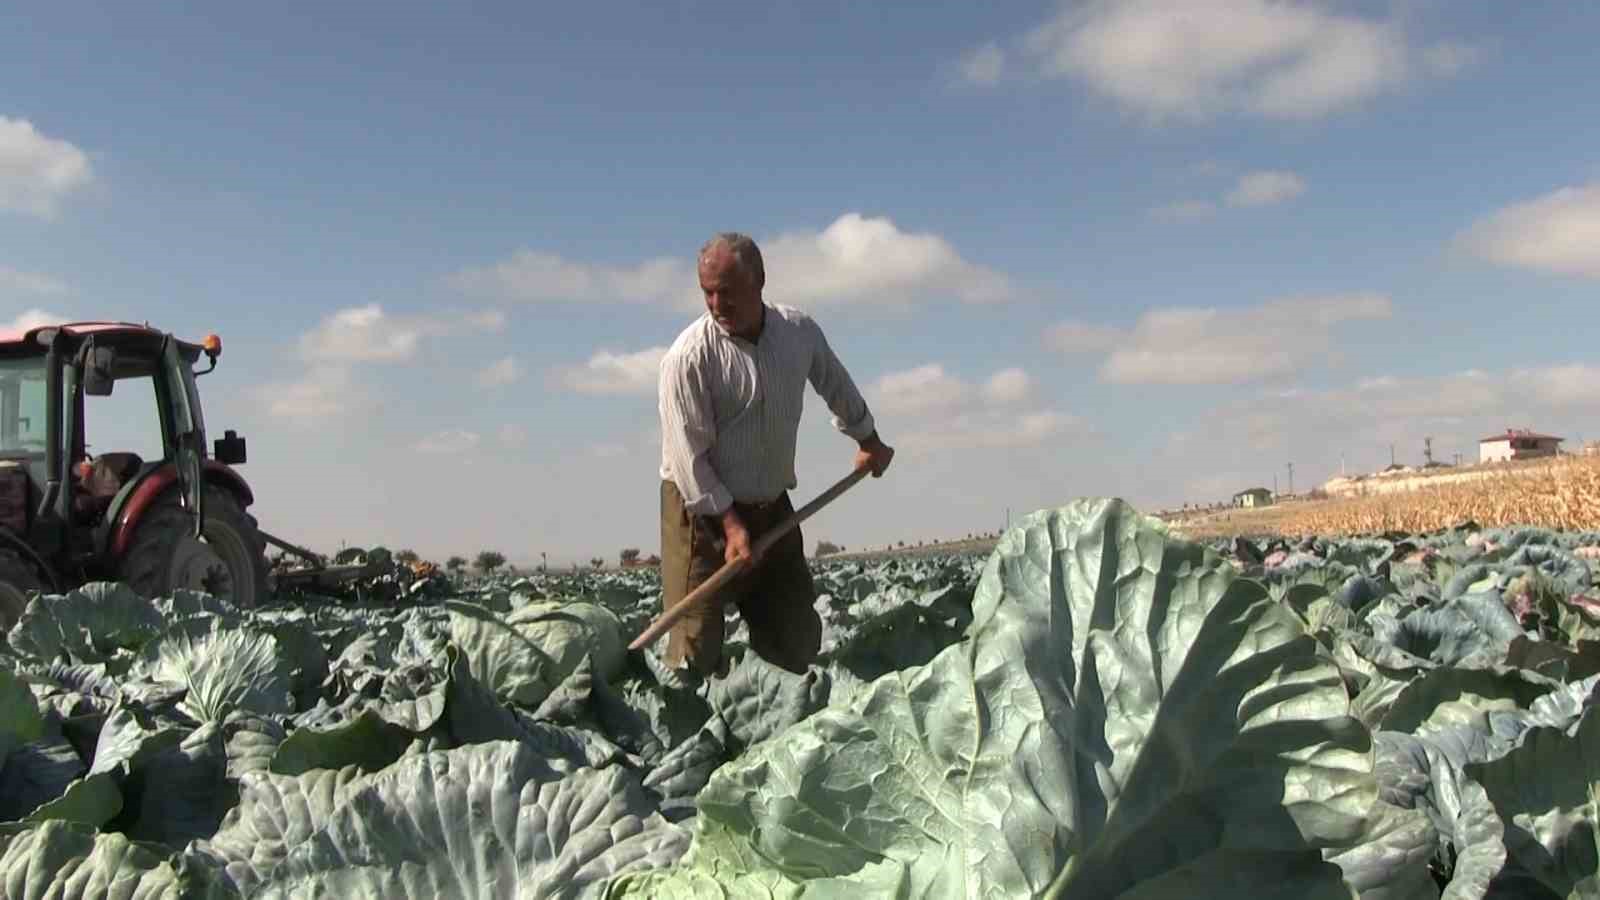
(730,393)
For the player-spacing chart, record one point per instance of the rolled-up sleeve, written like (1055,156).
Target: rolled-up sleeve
(688,429)
(834,385)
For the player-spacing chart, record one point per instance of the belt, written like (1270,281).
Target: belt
(759,504)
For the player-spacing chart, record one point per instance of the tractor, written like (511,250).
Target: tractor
(69,516)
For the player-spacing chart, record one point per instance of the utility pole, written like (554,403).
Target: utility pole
(1291,479)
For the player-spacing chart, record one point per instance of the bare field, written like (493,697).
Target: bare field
(1564,494)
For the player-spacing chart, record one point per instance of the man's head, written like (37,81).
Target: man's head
(731,278)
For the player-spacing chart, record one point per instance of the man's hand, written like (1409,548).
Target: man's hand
(874,454)
(736,544)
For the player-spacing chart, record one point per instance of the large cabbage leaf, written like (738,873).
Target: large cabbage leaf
(1128,719)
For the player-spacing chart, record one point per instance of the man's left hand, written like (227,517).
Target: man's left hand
(875,455)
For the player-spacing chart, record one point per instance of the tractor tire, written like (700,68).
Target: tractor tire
(229,562)
(18,576)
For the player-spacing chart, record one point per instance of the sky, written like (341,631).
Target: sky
(1153,250)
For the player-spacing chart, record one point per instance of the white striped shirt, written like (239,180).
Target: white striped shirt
(730,408)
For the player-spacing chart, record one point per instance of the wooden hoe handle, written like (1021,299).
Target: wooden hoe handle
(664,623)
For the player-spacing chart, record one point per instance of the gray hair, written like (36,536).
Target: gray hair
(745,253)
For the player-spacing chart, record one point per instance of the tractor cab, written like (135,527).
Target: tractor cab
(101,434)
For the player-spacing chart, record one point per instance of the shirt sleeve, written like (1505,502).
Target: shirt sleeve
(688,429)
(834,385)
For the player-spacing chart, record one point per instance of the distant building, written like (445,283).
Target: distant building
(1517,445)
(1253,497)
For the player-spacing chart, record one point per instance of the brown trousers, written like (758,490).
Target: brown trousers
(775,598)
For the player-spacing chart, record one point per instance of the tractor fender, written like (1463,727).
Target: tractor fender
(135,499)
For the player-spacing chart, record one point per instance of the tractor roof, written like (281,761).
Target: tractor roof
(27,336)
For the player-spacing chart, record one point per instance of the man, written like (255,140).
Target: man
(730,394)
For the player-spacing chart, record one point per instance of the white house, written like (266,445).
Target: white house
(1253,497)
(1517,445)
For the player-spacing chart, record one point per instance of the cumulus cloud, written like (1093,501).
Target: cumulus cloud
(1184,211)
(856,259)
(14,281)
(37,171)
(1266,189)
(940,411)
(499,373)
(448,443)
(1201,58)
(1252,189)
(32,318)
(1007,386)
(323,392)
(1455,408)
(1558,232)
(369,334)
(984,65)
(918,390)
(611,372)
(1195,345)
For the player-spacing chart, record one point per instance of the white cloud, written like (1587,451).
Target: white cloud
(487,319)
(19,282)
(940,411)
(1558,232)
(32,318)
(1200,58)
(499,373)
(1189,345)
(610,372)
(1266,188)
(984,65)
(451,442)
(322,393)
(1184,211)
(1007,386)
(1456,409)
(856,259)
(1081,337)
(914,391)
(988,430)
(369,334)
(362,334)
(36,171)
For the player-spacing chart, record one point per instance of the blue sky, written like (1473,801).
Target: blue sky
(1099,248)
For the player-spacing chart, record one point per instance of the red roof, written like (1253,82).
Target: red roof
(1509,434)
(16,337)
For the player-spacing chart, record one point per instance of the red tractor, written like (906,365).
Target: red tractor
(68,517)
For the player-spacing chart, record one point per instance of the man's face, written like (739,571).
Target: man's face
(733,301)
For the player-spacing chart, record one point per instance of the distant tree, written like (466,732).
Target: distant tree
(489,560)
(652,560)
(629,556)
(406,557)
(455,563)
(825,547)
(597,562)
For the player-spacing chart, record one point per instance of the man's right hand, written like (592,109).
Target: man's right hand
(737,544)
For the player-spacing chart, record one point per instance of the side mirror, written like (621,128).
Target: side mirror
(97,380)
(229,449)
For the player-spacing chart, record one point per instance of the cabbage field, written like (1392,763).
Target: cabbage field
(1096,709)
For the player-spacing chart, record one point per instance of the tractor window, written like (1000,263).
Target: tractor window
(128,421)
(24,412)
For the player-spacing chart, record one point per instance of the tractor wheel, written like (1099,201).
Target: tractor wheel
(229,562)
(17,577)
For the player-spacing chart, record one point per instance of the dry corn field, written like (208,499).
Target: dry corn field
(1563,495)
